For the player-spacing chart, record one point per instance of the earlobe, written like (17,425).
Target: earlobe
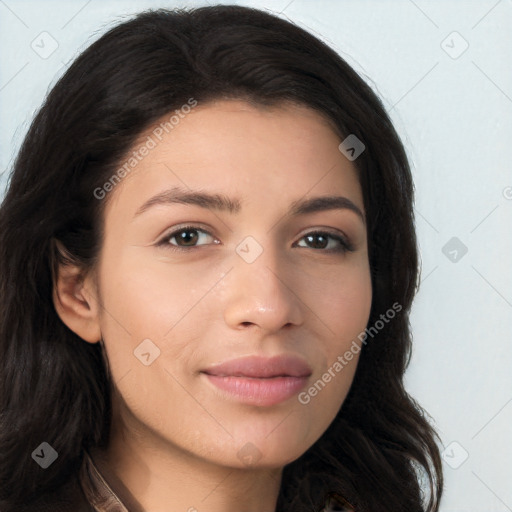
(76,303)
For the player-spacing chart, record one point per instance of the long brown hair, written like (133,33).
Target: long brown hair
(55,388)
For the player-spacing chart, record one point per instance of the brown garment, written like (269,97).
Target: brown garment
(96,489)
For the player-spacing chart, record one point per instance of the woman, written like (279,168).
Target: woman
(207,263)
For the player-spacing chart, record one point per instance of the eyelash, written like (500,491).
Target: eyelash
(345,245)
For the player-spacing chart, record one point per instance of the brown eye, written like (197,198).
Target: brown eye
(327,242)
(185,237)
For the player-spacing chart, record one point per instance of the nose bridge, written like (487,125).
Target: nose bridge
(261,269)
(259,291)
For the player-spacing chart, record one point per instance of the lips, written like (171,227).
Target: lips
(261,367)
(258,380)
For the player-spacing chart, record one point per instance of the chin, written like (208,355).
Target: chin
(270,448)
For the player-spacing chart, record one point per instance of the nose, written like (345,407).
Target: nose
(263,294)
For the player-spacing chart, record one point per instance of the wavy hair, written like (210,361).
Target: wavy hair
(381,452)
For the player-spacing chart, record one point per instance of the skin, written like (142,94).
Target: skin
(176,439)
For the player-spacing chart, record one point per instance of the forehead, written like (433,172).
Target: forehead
(285,149)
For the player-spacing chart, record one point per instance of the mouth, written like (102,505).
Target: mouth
(258,380)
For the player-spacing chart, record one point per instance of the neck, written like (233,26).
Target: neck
(150,474)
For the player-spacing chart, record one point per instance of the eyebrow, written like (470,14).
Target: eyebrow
(220,202)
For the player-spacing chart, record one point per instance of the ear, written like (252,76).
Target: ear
(76,302)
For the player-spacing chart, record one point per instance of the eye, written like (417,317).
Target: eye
(186,237)
(327,242)
(189,237)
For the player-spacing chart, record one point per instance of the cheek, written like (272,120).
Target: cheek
(350,309)
(150,297)
(168,304)
(149,311)
(343,302)
(346,306)
(142,309)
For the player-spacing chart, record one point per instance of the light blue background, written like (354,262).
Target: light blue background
(455,117)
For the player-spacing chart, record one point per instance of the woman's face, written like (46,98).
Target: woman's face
(235,277)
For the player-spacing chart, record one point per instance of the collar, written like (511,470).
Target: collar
(98,492)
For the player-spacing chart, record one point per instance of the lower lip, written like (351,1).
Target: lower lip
(262,392)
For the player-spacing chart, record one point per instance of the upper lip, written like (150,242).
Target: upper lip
(261,367)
